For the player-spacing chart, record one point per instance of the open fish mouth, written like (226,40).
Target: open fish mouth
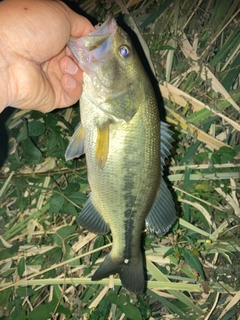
(95,45)
(100,34)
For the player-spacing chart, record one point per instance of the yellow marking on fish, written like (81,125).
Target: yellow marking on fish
(102,144)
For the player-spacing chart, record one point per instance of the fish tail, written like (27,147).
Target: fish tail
(131,272)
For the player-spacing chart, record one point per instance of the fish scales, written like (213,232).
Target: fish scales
(120,135)
(125,159)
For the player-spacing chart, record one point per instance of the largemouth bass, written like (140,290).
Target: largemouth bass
(120,135)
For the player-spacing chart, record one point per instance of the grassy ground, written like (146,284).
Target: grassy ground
(46,259)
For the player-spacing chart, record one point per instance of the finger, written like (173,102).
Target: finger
(72,90)
(68,66)
(80,26)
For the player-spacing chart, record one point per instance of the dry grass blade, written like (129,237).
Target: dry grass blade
(158,275)
(196,132)
(213,307)
(5,185)
(235,300)
(100,296)
(182,98)
(202,210)
(55,266)
(230,201)
(205,73)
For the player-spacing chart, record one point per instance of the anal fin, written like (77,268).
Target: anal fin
(102,144)
(91,219)
(162,214)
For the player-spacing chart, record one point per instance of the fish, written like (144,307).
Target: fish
(125,146)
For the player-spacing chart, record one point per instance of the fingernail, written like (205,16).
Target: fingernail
(70,82)
(71,67)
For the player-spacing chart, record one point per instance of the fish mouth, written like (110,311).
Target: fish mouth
(93,46)
(108,26)
(96,37)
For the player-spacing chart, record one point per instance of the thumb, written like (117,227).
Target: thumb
(80,26)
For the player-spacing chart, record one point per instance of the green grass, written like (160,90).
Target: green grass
(46,259)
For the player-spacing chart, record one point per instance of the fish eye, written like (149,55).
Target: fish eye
(124,51)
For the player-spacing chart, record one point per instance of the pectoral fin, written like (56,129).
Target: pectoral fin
(92,220)
(162,214)
(102,144)
(76,144)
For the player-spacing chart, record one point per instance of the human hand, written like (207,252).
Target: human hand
(37,68)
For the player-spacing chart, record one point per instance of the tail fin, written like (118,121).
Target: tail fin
(131,273)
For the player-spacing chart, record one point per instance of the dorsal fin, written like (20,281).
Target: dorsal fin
(165,141)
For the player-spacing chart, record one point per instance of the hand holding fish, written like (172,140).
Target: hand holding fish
(37,68)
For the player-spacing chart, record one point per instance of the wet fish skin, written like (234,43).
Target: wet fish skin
(120,135)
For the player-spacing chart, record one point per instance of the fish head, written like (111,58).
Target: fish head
(108,57)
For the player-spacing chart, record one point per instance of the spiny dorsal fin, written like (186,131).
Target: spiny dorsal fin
(165,142)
